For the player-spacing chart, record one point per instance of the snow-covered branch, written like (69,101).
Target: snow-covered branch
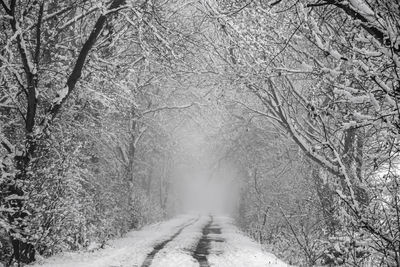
(168,108)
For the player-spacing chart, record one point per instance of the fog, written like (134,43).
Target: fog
(202,181)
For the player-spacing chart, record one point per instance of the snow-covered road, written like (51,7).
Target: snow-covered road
(187,241)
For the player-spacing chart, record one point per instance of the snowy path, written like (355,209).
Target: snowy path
(186,241)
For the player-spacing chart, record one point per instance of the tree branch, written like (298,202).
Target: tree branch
(168,108)
(75,19)
(366,24)
(38,34)
(6,8)
(6,144)
(77,70)
(257,111)
(317,4)
(30,72)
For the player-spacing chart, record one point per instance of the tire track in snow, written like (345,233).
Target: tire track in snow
(147,262)
(203,247)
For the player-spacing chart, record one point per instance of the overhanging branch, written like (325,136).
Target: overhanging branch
(77,70)
(168,108)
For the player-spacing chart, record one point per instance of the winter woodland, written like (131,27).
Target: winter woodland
(115,114)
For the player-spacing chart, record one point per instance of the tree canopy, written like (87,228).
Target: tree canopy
(106,106)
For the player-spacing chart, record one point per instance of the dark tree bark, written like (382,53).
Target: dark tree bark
(352,159)
(24,250)
(325,195)
(382,37)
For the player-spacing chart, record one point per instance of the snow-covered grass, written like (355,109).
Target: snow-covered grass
(130,250)
(238,249)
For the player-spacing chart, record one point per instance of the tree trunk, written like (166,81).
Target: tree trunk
(352,159)
(24,250)
(325,195)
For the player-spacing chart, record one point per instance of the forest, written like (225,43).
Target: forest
(290,108)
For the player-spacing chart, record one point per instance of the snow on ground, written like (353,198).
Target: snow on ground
(178,252)
(179,238)
(238,249)
(128,251)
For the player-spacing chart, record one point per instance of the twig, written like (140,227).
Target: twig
(168,108)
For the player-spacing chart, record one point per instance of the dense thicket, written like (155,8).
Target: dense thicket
(325,74)
(82,85)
